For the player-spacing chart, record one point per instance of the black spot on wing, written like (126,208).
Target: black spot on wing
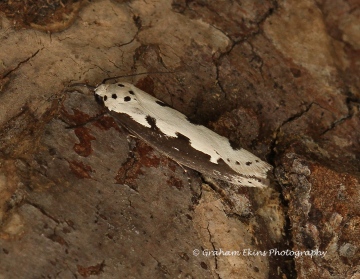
(131,92)
(127,98)
(234,145)
(152,122)
(193,121)
(121,85)
(183,138)
(161,104)
(99,99)
(105,98)
(248,163)
(221,162)
(114,96)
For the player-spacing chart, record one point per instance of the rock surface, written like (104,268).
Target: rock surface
(80,197)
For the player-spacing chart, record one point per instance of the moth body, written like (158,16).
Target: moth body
(171,133)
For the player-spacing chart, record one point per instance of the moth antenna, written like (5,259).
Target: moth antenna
(90,87)
(92,119)
(70,86)
(138,74)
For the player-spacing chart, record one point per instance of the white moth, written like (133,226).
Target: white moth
(171,133)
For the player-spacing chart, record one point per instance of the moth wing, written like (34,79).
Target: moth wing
(179,150)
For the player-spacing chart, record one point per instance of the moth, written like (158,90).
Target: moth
(172,134)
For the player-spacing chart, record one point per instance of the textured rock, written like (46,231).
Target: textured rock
(80,197)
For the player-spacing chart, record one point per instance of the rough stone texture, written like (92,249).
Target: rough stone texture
(80,197)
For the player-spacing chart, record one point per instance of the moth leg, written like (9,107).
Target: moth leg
(184,170)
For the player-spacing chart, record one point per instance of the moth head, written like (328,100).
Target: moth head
(115,94)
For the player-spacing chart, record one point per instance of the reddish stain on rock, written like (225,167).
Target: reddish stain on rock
(105,123)
(336,193)
(77,117)
(131,169)
(146,156)
(146,84)
(128,173)
(143,156)
(91,270)
(173,181)
(80,169)
(84,147)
